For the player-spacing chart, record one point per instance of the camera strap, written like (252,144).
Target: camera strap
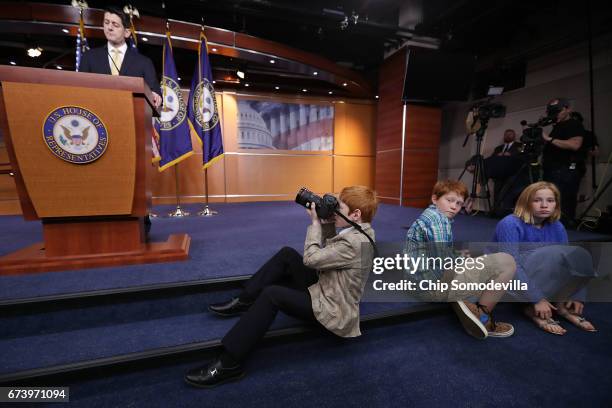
(358,228)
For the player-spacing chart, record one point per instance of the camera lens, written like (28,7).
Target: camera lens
(325,206)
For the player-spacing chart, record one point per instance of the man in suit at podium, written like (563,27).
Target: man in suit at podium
(117,58)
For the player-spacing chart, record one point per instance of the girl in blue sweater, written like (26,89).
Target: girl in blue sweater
(555,270)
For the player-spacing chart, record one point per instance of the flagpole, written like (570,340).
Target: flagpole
(178,211)
(206,211)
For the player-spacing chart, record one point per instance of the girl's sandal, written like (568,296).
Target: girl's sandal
(548,325)
(577,320)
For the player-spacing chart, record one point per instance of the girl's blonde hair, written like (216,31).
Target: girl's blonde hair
(523,208)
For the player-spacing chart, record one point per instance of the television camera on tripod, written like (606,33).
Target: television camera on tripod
(477,122)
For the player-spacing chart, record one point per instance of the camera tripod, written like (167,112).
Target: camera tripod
(480,175)
(533,169)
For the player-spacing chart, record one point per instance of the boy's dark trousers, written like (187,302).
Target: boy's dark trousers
(280,284)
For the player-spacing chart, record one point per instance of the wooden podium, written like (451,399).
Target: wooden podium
(80,148)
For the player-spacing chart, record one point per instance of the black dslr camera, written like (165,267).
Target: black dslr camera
(325,207)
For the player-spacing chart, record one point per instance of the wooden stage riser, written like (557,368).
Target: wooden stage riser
(34,259)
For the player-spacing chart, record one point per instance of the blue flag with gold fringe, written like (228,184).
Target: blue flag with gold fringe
(172,127)
(81,42)
(202,110)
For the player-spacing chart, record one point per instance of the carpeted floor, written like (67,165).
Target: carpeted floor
(424,363)
(234,243)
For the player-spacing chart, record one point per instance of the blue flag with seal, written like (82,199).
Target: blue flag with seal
(202,110)
(172,127)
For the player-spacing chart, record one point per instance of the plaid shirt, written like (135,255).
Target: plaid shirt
(431,227)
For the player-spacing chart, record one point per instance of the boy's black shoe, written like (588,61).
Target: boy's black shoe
(213,374)
(230,308)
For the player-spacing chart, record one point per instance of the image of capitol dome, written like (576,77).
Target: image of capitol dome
(285,126)
(253,133)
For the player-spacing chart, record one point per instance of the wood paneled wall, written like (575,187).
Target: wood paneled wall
(389,128)
(421,144)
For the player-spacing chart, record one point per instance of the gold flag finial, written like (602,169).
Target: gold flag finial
(131,11)
(81,4)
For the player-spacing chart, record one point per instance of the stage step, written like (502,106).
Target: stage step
(59,337)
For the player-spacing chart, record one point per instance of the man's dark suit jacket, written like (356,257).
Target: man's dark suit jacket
(501,167)
(134,65)
(514,149)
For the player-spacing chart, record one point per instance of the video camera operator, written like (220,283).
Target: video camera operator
(562,159)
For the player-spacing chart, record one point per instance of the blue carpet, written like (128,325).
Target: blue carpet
(425,363)
(234,243)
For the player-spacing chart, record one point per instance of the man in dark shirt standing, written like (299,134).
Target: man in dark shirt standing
(562,159)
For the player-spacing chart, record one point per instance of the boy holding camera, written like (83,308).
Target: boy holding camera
(432,233)
(324,286)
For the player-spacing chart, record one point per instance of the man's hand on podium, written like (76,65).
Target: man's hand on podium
(157,100)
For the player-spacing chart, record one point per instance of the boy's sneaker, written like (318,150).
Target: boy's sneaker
(478,318)
(500,329)
(469,317)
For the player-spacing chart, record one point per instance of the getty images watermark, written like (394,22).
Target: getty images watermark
(441,272)
(429,265)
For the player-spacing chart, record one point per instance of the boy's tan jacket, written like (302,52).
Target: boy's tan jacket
(343,272)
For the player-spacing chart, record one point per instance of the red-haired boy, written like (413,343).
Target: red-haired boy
(432,235)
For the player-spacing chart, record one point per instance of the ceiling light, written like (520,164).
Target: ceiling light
(179,78)
(315,73)
(214,82)
(277,87)
(214,50)
(12,63)
(330,92)
(246,85)
(59,67)
(272,61)
(145,39)
(34,52)
(344,84)
(65,30)
(304,90)
(240,74)
(376,96)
